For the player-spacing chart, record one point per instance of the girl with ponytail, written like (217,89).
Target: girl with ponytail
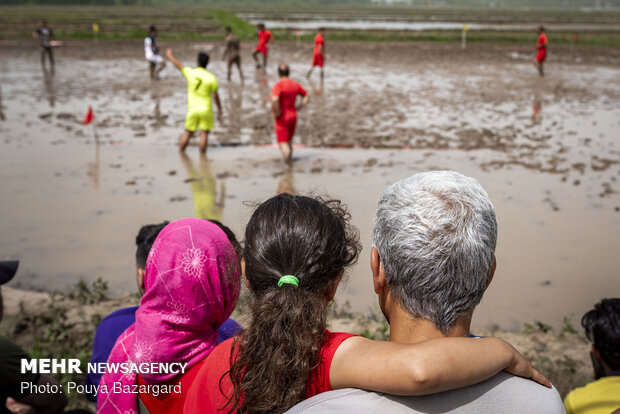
(296,251)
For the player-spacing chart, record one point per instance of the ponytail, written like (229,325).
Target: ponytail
(278,350)
(272,358)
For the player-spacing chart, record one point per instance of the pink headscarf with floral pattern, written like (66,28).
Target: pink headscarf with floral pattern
(191,287)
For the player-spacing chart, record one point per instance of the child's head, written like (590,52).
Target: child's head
(602,326)
(308,238)
(309,242)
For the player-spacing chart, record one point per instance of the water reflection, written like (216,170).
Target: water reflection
(2,117)
(235,103)
(48,84)
(158,118)
(536,107)
(204,189)
(93,167)
(317,89)
(286,185)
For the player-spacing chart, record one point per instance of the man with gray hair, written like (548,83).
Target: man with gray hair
(433,257)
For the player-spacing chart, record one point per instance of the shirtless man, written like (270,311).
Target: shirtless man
(284,107)
(541,47)
(232,52)
(151,53)
(318,55)
(264,36)
(45,36)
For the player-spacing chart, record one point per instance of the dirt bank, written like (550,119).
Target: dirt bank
(31,317)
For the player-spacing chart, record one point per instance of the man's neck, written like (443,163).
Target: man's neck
(404,328)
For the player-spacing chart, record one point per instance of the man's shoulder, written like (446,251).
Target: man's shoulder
(503,393)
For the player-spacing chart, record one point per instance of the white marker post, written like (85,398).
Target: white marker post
(298,33)
(464,36)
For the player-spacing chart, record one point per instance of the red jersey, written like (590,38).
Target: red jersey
(318,42)
(173,402)
(205,396)
(264,36)
(542,40)
(286,90)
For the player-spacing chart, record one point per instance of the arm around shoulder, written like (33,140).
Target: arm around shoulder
(424,368)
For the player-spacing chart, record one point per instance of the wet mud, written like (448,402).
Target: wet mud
(546,149)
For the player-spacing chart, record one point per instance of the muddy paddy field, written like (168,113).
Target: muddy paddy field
(546,149)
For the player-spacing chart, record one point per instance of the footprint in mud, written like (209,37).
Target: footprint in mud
(46,115)
(178,198)
(130,182)
(172,172)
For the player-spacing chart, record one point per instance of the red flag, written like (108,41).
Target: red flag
(89,117)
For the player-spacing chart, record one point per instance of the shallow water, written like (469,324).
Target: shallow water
(547,151)
(409,23)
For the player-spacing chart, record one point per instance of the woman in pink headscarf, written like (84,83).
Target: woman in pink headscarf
(191,287)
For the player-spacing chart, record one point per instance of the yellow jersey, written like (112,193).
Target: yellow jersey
(599,397)
(200,85)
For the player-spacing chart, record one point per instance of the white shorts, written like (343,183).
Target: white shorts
(153,58)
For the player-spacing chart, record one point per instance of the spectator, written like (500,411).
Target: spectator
(432,259)
(602,326)
(12,397)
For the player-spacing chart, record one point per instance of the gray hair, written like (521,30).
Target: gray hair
(436,233)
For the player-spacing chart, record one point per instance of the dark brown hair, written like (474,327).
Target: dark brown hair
(309,238)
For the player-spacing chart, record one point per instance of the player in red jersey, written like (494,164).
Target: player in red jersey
(264,36)
(318,55)
(283,103)
(541,46)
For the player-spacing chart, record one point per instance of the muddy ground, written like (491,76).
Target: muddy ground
(547,151)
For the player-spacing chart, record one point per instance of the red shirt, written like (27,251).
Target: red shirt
(173,402)
(542,40)
(264,36)
(205,395)
(318,42)
(286,90)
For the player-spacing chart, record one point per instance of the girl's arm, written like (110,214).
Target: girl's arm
(427,367)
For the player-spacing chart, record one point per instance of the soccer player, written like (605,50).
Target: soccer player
(283,103)
(318,56)
(541,46)
(201,89)
(264,36)
(232,52)
(45,36)
(151,52)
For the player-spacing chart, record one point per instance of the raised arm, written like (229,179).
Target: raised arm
(427,367)
(176,62)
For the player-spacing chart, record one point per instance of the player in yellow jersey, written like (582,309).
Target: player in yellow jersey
(201,90)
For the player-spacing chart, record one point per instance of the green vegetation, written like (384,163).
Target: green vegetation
(499,4)
(55,334)
(192,22)
(537,326)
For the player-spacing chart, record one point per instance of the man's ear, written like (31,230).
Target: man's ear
(492,273)
(140,279)
(378,274)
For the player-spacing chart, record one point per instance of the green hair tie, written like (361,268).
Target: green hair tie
(290,279)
